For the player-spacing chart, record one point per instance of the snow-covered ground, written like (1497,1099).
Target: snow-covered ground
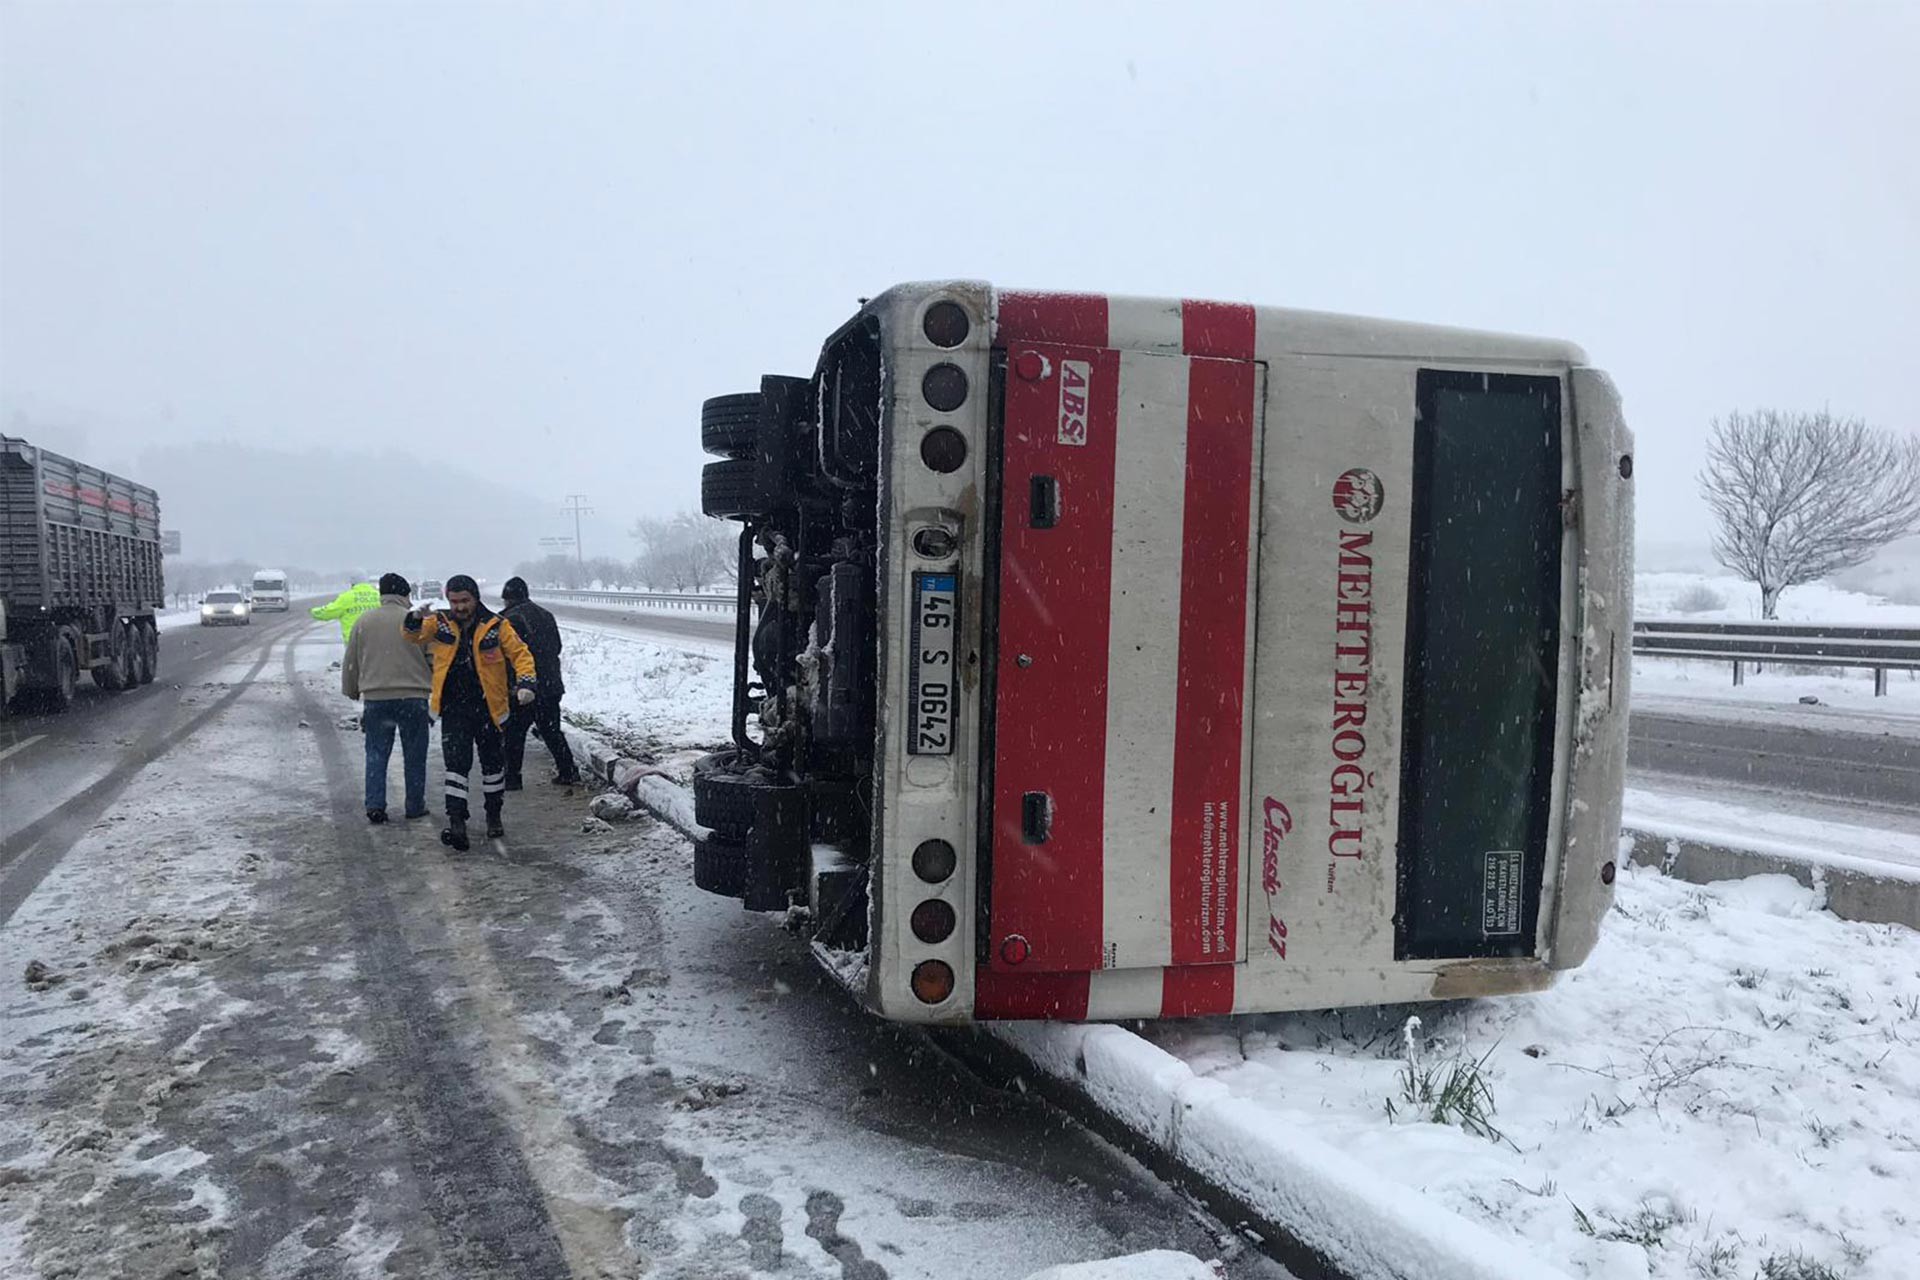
(647,697)
(1729,1087)
(1710,597)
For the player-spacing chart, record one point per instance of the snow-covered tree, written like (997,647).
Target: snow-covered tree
(1798,496)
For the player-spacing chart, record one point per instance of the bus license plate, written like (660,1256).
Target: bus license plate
(931,686)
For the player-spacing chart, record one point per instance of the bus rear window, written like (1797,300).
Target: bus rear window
(1482,656)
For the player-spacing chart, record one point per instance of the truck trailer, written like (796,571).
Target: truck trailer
(80,577)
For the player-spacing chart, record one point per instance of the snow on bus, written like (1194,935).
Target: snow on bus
(1112,657)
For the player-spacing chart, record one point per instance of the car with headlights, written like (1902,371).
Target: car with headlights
(225,608)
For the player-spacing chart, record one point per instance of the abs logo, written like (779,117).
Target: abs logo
(1358,495)
(1076,382)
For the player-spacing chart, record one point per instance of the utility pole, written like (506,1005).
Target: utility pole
(577,503)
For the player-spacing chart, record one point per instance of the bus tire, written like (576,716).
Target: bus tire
(730,490)
(730,425)
(720,866)
(722,799)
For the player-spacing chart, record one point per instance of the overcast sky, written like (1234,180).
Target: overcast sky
(536,236)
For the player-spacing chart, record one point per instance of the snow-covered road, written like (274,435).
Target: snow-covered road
(244,1033)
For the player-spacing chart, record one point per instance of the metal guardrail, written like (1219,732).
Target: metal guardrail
(1878,649)
(692,601)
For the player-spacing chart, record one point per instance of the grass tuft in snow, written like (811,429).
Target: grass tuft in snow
(1647,1226)
(1719,1260)
(1454,1091)
(1795,1265)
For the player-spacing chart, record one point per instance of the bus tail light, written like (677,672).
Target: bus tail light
(934,860)
(932,981)
(932,921)
(946,324)
(945,387)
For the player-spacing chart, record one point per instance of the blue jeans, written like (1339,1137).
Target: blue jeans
(381,719)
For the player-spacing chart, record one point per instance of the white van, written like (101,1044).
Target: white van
(269,591)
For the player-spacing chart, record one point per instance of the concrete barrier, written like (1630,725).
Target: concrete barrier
(1856,888)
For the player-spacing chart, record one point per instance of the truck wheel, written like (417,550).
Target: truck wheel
(117,674)
(720,866)
(149,639)
(730,425)
(730,490)
(67,678)
(722,799)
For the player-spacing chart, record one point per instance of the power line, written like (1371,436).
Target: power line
(577,503)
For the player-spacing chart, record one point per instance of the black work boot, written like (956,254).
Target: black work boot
(455,836)
(494,829)
(376,816)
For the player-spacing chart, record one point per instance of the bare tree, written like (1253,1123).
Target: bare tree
(1799,496)
(685,552)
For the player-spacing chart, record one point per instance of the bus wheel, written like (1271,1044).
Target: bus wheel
(720,866)
(722,800)
(730,425)
(730,490)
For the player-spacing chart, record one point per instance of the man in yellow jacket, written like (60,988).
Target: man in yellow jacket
(348,606)
(480,669)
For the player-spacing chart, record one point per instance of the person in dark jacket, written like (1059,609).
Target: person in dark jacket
(541,634)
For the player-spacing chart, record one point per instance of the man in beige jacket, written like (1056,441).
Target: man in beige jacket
(391,678)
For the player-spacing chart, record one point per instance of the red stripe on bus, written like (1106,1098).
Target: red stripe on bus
(1060,996)
(1209,711)
(1222,329)
(1050,729)
(1196,990)
(1076,318)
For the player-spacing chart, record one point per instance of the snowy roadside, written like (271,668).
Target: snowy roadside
(650,698)
(1727,1088)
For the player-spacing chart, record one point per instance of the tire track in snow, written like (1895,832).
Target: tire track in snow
(489,1212)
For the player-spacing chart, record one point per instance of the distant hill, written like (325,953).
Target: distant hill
(235,501)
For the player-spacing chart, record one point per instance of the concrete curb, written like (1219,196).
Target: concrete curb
(662,797)
(1856,888)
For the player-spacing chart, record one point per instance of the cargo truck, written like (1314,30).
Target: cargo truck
(80,578)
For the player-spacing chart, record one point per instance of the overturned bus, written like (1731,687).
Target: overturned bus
(1106,657)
